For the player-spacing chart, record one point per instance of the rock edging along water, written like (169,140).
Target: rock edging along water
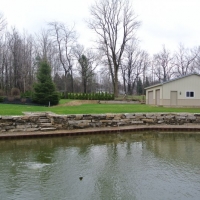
(47,121)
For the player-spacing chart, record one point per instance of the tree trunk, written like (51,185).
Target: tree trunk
(72,81)
(116,91)
(65,84)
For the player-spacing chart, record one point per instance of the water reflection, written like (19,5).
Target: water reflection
(117,166)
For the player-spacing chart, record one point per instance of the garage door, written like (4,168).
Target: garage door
(150,97)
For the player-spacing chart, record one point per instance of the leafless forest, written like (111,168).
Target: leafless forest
(114,64)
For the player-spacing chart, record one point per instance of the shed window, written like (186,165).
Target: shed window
(189,94)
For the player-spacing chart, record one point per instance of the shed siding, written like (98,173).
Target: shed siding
(182,85)
(190,83)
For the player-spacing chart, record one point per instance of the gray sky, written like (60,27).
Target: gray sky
(164,22)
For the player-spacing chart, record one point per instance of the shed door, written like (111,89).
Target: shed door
(150,97)
(157,97)
(173,98)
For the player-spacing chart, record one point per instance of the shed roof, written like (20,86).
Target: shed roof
(159,84)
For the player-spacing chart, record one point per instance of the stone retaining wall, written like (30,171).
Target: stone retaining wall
(50,121)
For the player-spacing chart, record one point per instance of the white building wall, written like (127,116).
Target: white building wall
(190,83)
(182,85)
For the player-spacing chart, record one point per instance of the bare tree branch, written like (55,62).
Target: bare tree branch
(87,61)
(3,22)
(184,60)
(114,23)
(65,39)
(163,65)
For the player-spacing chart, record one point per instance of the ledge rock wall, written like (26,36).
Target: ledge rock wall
(50,121)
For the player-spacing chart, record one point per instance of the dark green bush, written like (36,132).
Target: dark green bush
(1,93)
(62,95)
(27,94)
(91,96)
(1,99)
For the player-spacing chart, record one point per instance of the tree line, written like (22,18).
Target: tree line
(115,64)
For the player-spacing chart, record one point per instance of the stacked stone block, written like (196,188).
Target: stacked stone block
(50,121)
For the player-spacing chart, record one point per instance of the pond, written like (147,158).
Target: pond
(102,167)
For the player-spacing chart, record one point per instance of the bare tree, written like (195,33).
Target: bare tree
(163,68)
(44,44)
(104,83)
(134,66)
(87,64)
(2,51)
(115,23)
(16,61)
(46,49)
(184,60)
(15,46)
(197,60)
(129,65)
(21,50)
(65,39)
(6,65)
(3,61)
(27,62)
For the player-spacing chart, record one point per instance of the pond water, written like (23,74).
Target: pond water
(102,167)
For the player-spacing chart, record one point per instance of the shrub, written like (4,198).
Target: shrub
(64,95)
(23,100)
(17,97)
(27,94)
(71,95)
(11,98)
(15,92)
(1,99)
(1,93)
(91,96)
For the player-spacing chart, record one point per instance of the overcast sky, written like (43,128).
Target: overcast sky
(164,22)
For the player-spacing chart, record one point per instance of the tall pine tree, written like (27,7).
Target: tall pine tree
(45,92)
(139,87)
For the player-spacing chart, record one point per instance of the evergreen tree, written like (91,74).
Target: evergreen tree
(45,91)
(146,82)
(86,72)
(139,87)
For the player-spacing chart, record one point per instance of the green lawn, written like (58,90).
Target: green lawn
(11,109)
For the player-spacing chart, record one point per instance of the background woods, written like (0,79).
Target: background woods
(114,64)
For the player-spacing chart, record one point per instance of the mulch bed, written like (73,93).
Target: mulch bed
(21,101)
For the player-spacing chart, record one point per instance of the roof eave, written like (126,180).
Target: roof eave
(152,86)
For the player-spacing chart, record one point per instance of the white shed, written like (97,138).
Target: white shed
(182,91)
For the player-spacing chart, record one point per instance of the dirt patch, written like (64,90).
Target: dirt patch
(80,102)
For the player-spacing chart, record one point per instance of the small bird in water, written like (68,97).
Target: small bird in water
(80,178)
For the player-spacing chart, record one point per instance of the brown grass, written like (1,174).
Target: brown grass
(79,102)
